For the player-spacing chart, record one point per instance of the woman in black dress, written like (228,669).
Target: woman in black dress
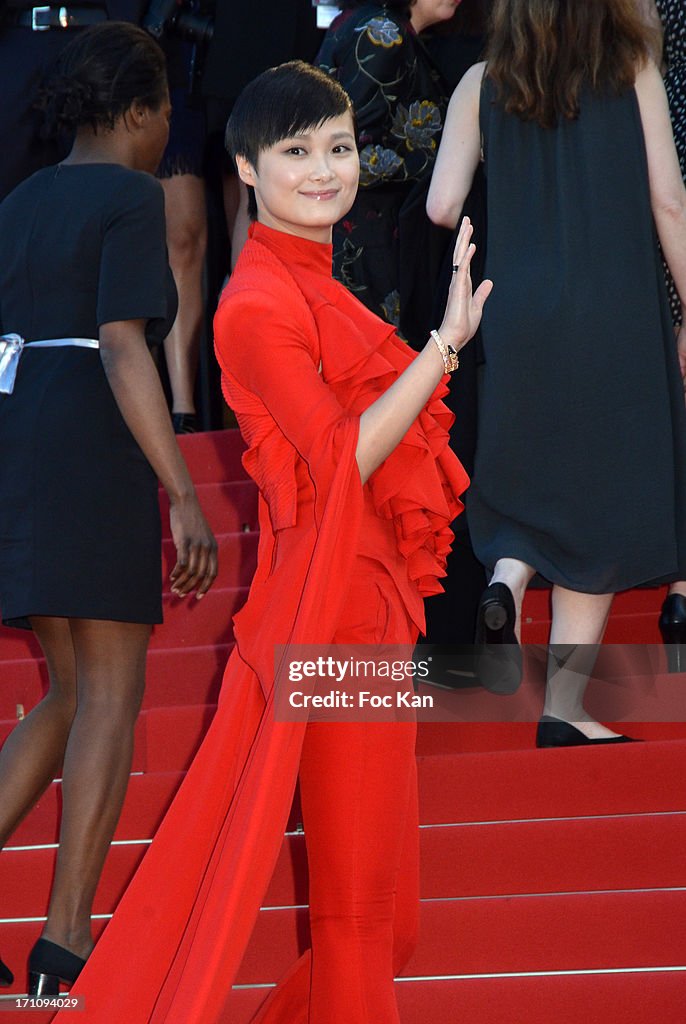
(580,470)
(85,435)
(375,51)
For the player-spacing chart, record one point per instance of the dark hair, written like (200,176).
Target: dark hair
(99,74)
(281,102)
(541,53)
(284,101)
(403,6)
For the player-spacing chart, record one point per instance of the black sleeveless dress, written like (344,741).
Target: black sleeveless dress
(80,245)
(580,465)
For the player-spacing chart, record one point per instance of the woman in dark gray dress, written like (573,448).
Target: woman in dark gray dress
(580,469)
(85,435)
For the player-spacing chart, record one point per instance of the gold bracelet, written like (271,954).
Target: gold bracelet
(448,353)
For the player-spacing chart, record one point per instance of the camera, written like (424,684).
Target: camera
(182,18)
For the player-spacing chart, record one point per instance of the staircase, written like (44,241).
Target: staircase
(553,881)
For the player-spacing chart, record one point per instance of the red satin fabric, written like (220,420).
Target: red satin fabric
(179,934)
(358,790)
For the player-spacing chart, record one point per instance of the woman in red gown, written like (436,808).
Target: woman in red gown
(347,441)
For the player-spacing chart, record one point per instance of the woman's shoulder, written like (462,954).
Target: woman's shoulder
(125,183)
(109,187)
(129,197)
(112,185)
(91,192)
(257,267)
(260,289)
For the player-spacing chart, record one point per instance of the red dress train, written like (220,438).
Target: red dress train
(301,359)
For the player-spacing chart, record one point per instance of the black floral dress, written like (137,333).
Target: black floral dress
(400,101)
(673,17)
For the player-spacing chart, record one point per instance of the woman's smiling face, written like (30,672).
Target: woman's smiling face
(305,184)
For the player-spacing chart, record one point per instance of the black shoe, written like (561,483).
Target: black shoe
(672,624)
(498,655)
(6,976)
(553,732)
(48,965)
(184,422)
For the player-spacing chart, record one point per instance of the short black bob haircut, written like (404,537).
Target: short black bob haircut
(283,102)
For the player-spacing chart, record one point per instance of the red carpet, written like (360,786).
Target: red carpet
(553,882)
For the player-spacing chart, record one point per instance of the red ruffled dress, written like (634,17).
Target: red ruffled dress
(301,359)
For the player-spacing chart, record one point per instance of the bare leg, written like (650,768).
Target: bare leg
(579,622)
(678,588)
(110,661)
(33,753)
(187,241)
(516,575)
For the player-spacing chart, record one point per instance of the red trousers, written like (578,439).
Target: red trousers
(358,786)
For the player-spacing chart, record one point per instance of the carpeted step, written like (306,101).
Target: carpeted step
(616,697)
(506,858)
(640,628)
(553,856)
(642,599)
(514,858)
(189,622)
(579,932)
(16,644)
(191,675)
(198,680)
(630,778)
(633,619)
(622,998)
(230,507)
(634,997)
(487,737)
(181,729)
(167,738)
(237,556)
(213,455)
(513,934)
(147,798)
(26,875)
(22,684)
(616,998)
(457,862)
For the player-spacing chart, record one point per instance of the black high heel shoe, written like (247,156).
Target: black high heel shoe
(553,732)
(6,976)
(48,965)
(672,625)
(184,422)
(498,655)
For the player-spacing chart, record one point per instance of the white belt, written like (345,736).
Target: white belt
(12,345)
(55,342)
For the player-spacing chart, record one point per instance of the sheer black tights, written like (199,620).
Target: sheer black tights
(84,725)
